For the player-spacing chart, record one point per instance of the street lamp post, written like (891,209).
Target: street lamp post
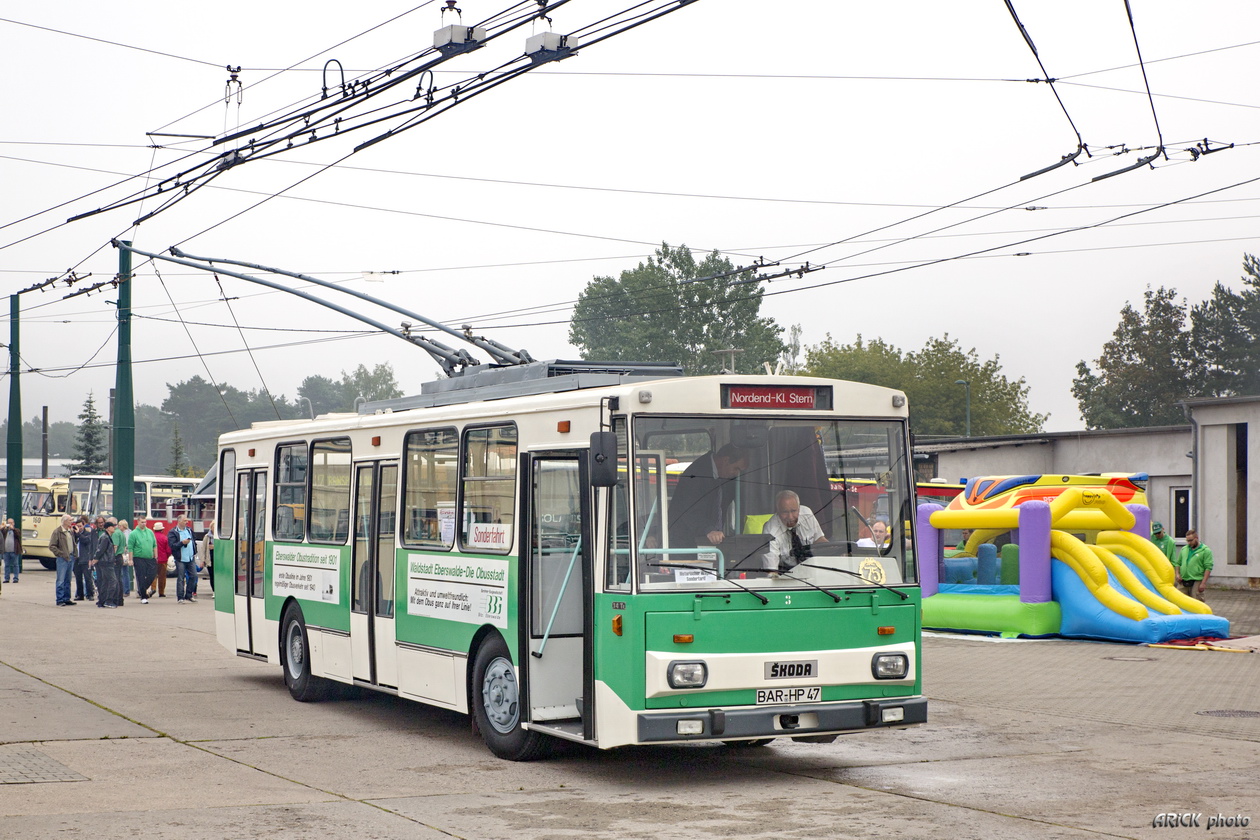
(967,384)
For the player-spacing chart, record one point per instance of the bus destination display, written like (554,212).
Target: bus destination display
(777,397)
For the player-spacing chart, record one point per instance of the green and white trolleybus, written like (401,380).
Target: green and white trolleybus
(519,545)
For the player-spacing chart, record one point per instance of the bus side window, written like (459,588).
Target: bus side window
(290,492)
(489,483)
(330,490)
(429,482)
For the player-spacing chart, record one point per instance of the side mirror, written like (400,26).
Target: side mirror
(603,459)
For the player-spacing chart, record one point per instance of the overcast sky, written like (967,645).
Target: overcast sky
(758,129)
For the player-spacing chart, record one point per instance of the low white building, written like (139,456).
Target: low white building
(1228,506)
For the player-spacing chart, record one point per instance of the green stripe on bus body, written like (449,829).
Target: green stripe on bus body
(813,621)
(429,631)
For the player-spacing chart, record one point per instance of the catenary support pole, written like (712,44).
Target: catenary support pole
(13,471)
(124,432)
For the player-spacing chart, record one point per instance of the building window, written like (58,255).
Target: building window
(1180,507)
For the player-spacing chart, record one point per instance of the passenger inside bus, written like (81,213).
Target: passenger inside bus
(705,491)
(878,535)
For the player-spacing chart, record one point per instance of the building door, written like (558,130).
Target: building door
(558,580)
(373,582)
(251,552)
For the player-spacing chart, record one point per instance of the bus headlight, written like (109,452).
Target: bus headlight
(890,666)
(687,674)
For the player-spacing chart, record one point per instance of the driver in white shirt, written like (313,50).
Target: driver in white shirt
(792,529)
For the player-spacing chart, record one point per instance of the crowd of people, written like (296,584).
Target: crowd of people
(107,560)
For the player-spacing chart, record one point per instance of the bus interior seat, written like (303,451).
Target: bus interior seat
(754,522)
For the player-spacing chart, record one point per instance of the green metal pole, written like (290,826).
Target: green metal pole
(125,409)
(13,470)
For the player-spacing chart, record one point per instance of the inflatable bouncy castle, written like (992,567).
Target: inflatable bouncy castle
(1064,555)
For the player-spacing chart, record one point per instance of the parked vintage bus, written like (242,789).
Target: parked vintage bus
(510,550)
(158,498)
(44,502)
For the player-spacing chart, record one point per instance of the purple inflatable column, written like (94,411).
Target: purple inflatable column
(1034,552)
(1142,527)
(929,551)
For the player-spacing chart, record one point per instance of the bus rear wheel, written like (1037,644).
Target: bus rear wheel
(496,700)
(295,659)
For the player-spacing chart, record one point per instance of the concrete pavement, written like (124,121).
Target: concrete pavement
(134,722)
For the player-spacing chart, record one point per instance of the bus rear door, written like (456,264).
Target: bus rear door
(251,522)
(374,654)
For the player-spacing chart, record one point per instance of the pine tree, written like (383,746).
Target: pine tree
(179,458)
(91,442)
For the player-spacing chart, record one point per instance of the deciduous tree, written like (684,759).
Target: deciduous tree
(325,394)
(204,413)
(1144,370)
(375,384)
(665,310)
(937,406)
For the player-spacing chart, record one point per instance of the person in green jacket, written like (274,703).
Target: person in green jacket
(1193,566)
(1162,541)
(142,543)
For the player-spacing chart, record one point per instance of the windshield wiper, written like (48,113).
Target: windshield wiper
(754,593)
(903,595)
(833,595)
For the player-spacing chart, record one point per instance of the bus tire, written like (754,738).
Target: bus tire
(755,742)
(48,563)
(295,659)
(496,700)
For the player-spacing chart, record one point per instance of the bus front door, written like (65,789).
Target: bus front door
(251,550)
(558,583)
(374,653)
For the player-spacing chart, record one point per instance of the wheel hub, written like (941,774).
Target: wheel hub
(500,696)
(297,651)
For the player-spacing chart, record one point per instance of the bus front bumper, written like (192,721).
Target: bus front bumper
(791,721)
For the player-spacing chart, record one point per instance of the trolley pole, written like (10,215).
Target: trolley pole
(124,431)
(13,469)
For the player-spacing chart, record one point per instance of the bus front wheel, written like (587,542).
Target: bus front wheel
(295,660)
(497,705)
(48,563)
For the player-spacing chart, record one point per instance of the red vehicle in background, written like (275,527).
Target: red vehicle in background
(158,498)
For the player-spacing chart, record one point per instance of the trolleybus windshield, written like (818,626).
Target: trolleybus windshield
(772,501)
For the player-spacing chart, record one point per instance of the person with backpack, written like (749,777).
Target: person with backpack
(104,554)
(84,538)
